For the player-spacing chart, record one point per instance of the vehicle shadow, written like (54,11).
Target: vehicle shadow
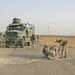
(26,56)
(2,46)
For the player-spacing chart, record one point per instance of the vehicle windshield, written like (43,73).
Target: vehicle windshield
(15,27)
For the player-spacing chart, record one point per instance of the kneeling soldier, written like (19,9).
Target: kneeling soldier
(52,51)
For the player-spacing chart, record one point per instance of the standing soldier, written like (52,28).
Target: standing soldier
(63,47)
(45,51)
(52,51)
(33,40)
(37,38)
(27,32)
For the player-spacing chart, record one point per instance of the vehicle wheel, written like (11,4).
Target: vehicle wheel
(7,44)
(29,43)
(22,43)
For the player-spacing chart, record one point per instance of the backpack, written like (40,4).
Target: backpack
(45,50)
(64,43)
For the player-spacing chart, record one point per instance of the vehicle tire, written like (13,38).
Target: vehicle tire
(22,43)
(7,44)
(29,43)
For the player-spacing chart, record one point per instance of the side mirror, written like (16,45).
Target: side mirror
(7,28)
(23,28)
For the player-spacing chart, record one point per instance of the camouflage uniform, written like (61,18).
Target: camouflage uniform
(52,51)
(37,39)
(27,32)
(45,51)
(64,48)
(33,40)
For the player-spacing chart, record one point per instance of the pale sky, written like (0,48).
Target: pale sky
(53,17)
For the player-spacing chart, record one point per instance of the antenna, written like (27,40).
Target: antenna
(48,30)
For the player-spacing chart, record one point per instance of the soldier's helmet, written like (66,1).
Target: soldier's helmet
(46,45)
(54,45)
(58,40)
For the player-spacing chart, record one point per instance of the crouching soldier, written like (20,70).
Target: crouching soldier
(63,47)
(52,51)
(45,51)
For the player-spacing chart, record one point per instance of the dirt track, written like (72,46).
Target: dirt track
(25,61)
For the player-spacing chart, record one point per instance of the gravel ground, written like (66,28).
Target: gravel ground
(25,61)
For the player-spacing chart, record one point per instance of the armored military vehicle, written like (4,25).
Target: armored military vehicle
(18,33)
